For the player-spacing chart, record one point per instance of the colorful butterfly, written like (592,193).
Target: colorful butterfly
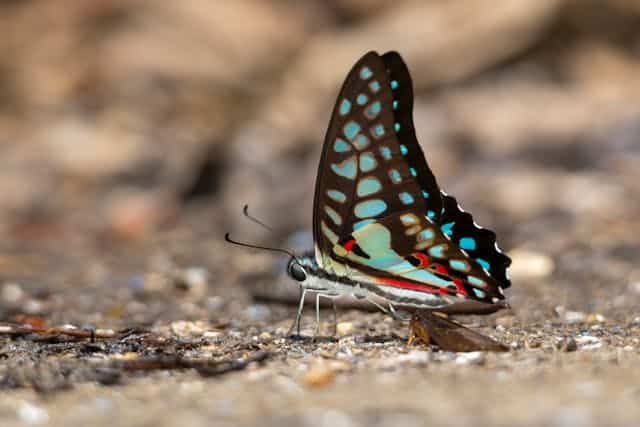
(383,229)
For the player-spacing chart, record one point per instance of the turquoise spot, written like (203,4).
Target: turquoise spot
(365,73)
(438,250)
(403,149)
(373,110)
(459,265)
(425,195)
(408,219)
(396,127)
(431,214)
(377,131)
(406,198)
(333,215)
(367,162)
(425,235)
(345,107)
(413,171)
(346,169)
(361,142)
(475,281)
(360,224)
(426,277)
(479,293)
(468,243)
(374,86)
(394,84)
(483,263)
(385,152)
(336,195)
(370,208)
(351,129)
(362,99)
(394,104)
(446,228)
(341,146)
(368,186)
(395,176)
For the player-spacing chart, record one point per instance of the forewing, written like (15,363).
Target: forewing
(377,205)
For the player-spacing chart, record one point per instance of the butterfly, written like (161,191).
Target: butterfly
(383,230)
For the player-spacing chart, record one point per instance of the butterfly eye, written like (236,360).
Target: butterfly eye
(297,272)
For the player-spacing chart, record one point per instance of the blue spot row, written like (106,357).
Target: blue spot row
(367,162)
(360,224)
(346,169)
(378,131)
(413,172)
(365,73)
(385,152)
(446,228)
(351,129)
(340,146)
(394,84)
(468,243)
(483,263)
(396,127)
(394,104)
(370,208)
(403,149)
(362,99)
(345,107)
(406,198)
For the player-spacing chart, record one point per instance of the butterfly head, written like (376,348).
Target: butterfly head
(304,270)
(295,270)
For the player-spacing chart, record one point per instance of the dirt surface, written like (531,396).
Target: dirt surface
(132,133)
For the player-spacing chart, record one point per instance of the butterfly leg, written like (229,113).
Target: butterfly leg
(296,323)
(317,330)
(384,310)
(333,304)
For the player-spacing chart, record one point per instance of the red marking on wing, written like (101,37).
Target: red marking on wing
(442,270)
(459,286)
(424,260)
(407,285)
(348,245)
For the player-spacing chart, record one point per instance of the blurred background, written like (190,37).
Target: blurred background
(132,133)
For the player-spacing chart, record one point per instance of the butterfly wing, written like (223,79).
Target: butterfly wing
(378,209)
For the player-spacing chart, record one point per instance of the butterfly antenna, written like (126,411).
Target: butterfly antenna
(266,248)
(245,211)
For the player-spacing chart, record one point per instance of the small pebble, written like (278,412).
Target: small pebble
(32,415)
(596,318)
(588,342)
(183,328)
(344,328)
(11,293)
(471,358)
(194,280)
(528,264)
(568,344)
(319,376)
(265,336)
